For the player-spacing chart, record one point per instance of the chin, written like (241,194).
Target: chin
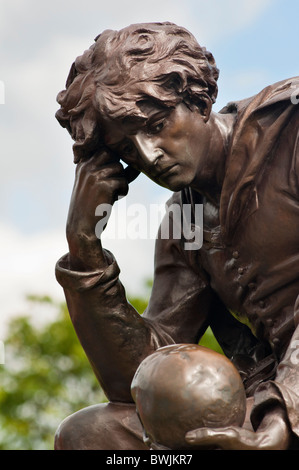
(173,185)
(176,186)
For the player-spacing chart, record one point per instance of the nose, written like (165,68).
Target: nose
(147,149)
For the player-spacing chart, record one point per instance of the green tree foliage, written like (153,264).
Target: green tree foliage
(46,377)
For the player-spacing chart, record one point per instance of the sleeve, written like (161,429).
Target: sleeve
(284,390)
(181,297)
(114,336)
(111,332)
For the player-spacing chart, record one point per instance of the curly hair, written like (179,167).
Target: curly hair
(160,62)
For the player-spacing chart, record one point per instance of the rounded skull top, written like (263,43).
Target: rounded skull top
(182,387)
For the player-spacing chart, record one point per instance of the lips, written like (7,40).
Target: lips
(164,171)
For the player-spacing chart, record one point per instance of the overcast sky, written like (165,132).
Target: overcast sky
(254,42)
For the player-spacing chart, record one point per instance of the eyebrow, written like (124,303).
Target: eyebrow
(138,123)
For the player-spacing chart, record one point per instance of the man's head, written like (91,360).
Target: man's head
(158,63)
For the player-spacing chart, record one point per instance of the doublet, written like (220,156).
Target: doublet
(244,280)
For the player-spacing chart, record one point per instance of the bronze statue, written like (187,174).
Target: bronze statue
(186,386)
(144,96)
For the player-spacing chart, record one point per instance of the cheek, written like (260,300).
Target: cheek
(180,141)
(177,146)
(179,131)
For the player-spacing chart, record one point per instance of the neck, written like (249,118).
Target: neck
(209,179)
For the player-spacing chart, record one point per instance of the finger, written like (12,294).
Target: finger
(108,175)
(101,158)
(221,437)
(122,188)
(131,174)
(114,175)
(111,170)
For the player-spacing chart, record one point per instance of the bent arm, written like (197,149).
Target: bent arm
(114,336)
(284,390)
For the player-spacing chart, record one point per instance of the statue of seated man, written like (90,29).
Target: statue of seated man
(143,96)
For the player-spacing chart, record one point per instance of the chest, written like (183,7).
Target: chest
(255,272)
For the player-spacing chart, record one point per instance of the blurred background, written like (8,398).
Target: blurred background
(254,43)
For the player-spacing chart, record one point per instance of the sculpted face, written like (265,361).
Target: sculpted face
(169,146)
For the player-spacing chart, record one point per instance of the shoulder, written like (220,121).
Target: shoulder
(286,91)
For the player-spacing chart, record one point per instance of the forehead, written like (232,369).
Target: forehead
(115,130)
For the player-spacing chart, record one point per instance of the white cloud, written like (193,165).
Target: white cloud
(28,260)
(216,20)
(39,41)
(28,267)
(40,20)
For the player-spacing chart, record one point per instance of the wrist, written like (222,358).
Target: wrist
(86,253)
(275,423)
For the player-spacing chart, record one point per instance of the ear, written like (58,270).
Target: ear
(205,107)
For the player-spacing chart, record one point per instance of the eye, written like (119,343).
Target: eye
(127,148)
(156,127)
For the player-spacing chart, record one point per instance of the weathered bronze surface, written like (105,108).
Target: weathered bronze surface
(183,387)
(144,96)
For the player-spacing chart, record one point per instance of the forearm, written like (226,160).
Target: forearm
(114,336)
(273,432)
(283,392)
